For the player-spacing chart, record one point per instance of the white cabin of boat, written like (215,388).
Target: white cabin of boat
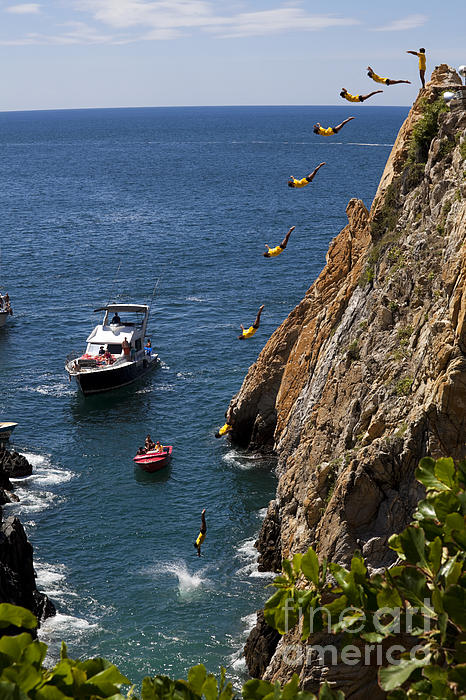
(120,321)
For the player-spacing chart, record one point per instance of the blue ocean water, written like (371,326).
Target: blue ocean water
(188,196)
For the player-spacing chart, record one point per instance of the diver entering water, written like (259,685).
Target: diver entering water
(201,536)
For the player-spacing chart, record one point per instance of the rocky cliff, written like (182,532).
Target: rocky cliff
(368,373)
(17,576)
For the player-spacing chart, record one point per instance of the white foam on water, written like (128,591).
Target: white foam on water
(64,626)
(262,513)
(51,579)
(32,501)
(57,389)
(36,460)
(188,583)
(199,300)
(232,458)
(44,474)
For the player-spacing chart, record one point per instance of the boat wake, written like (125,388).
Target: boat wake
(56,389)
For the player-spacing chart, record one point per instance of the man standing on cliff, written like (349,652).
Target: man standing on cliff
(421,54)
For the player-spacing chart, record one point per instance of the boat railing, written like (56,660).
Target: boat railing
(73,356)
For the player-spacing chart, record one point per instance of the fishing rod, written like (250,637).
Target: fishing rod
(114,283)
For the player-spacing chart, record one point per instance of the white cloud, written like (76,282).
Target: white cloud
(276,21)
(156,20)
(401,25)
(167,18)
(29,8)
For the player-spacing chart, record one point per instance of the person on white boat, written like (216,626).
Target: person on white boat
(101,350)
(116,320)
(126,348)
(148,348)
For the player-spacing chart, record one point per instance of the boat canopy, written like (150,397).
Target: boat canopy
(136,308)
(103,335)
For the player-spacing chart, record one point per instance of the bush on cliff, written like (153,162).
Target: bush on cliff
(421,601)
(23,675)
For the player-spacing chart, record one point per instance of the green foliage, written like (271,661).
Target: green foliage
(425,130)
(463,150)
(387,217)
(403,387)
(423,595)
(427,585)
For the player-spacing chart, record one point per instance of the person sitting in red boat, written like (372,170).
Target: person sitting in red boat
(141,451)
(158,447)
(149,444)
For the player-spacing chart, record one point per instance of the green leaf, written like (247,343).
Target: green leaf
(196,678)
(391,677)
(287,568)
(10,691)
(209,689)
(256,689)
(435,555)
(310,566)
(297,563)
(412,541)
(435,673)
(290,690)
(445,504)
(454,602)
(13,647)
(425,509)
(444,470)
(17,616)
(425,473)
(457,674)
(50,692)
(107,681)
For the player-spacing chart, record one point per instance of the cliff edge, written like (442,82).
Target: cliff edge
(368,373)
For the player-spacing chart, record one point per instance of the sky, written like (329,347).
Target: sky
(66,54)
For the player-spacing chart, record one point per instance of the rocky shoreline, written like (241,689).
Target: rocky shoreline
(368,373)
(17,575)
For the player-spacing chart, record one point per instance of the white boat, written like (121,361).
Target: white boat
(95,371)
(5,309)
(6,428)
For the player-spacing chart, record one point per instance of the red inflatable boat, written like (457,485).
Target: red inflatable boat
(153,461)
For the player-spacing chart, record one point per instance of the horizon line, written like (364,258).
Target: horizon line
(229,106)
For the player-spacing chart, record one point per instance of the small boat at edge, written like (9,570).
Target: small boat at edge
(6,428)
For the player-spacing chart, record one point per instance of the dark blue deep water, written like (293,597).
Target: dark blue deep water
(188,196)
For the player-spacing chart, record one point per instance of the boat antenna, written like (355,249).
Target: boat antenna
(153,293)
(113,285)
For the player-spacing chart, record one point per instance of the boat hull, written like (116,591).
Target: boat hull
(3,317)
(99,381)
(5,430)
(153,461)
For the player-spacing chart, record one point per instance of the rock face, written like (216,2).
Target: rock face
(17,577)
(368,373)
